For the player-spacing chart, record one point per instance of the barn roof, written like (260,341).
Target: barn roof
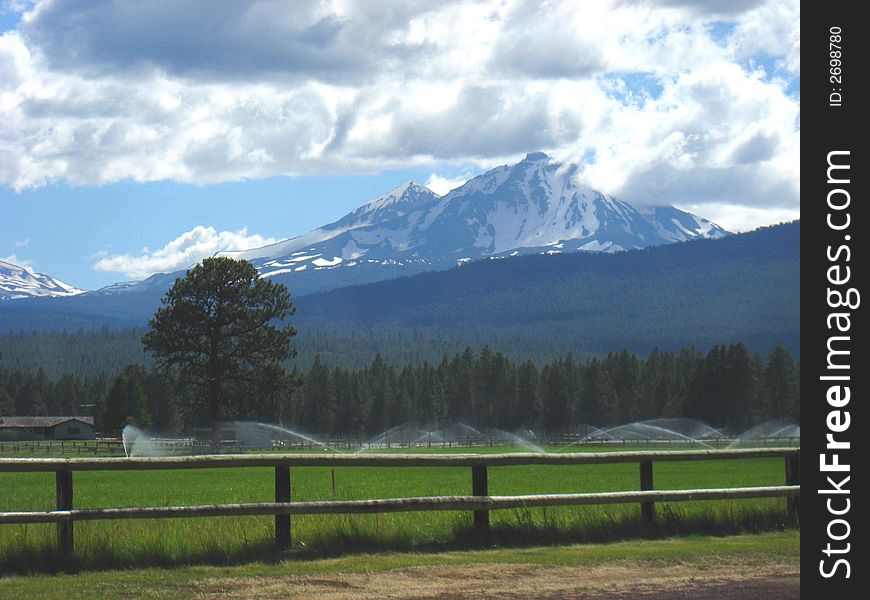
(21,422)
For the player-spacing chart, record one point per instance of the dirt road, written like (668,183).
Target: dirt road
(520,581)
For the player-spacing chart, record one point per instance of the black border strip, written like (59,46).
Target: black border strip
(832,118)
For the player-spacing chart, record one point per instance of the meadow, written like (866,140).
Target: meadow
(627,569)
(227,540)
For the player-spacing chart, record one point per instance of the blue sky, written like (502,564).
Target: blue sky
(135,138)
(69,228)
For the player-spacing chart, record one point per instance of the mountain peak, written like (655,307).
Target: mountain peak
(536,157)
(534,206)
(20,282)
(401,189)
(409,192)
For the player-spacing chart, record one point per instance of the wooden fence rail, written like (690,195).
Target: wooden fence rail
(388,505)
(379,460)
(480,501)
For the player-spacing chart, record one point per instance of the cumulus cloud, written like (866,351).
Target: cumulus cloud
(238,39)
(771,30)
(183,252)
(666,95)
(25,264)
(712,7)
(746,219)
(442,185)
(550,40)
(467,126)
(717,134)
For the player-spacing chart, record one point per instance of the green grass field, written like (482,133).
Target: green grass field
(703,556)
(224,540)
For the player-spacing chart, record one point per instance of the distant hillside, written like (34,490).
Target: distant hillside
(703,292)
(739,288)
(536,206)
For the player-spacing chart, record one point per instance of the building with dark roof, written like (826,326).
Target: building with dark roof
(46,428)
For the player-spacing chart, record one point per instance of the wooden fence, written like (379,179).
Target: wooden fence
(187,446)
(479,501)
(63,447)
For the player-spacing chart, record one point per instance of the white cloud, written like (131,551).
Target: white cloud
(18,262)
(442,185)
(773,29)
(717,134)
(204,92)
(736,219)
(181,253)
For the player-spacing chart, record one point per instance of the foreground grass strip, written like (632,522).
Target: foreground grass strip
(768,557)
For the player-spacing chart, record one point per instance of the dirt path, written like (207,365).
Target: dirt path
(520,581)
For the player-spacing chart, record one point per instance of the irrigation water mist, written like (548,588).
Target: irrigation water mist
(139,443)
(769,431)
(257,435)
(266,432)
(411,435)
(512,439)
(655,430)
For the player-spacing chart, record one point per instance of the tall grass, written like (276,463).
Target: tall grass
(227,540)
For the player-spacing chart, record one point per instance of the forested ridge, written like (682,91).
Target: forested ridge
(742,288)
(85,352)
(706,329)
(726,387)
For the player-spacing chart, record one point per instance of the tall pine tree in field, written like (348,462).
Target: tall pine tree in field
(220,329)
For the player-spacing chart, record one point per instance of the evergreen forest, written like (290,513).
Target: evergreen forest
(727,387)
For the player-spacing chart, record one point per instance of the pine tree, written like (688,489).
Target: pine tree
(7,406)
(780,384)
(529,410)
(217,329)
(125,403)
(740,385)
(599,396)
(380,381)
(557,395)
(318,404)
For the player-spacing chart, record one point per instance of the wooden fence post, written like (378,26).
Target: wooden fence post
(64,491)
(282,494)
(793,477)
(647,509)
(480,487)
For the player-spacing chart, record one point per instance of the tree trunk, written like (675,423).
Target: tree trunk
(215,420)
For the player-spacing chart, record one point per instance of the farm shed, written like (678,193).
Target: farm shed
(47,428)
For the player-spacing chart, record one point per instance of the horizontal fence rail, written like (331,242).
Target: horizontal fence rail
(379,460)
(387,505)
(188,446)
(480,502)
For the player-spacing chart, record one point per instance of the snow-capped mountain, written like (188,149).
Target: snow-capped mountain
(383,232)
(533,206)
(155,284)
(17,282)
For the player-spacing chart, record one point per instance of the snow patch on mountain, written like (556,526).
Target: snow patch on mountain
(537,205)
(18,282)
